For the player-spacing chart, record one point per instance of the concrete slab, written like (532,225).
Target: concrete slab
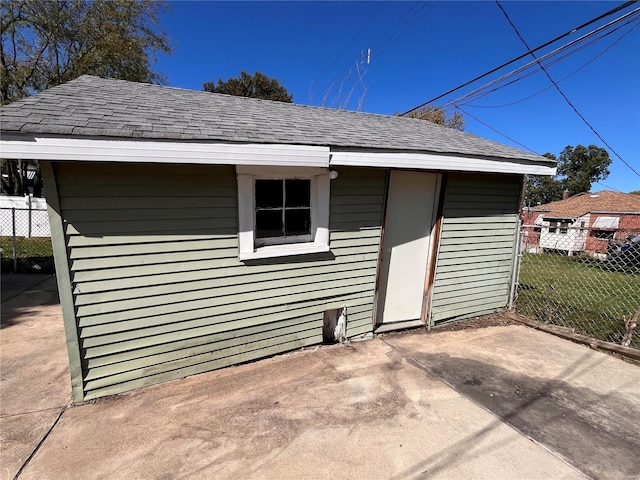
(379,409)
(582,404)
(343,412)
(34,374)
(22,293)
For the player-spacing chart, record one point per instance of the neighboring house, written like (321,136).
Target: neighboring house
(193,230)
(586,222)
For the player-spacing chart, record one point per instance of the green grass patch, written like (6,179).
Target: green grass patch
(33,254)
(590,296)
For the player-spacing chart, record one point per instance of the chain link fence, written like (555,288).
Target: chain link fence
(25,242)
(584,279)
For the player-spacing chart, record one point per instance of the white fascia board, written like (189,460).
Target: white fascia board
(118,150)
(428,161)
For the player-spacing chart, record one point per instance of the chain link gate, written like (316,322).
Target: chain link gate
(584,279)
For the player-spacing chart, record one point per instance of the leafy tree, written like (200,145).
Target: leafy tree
(635,192)
(46,43)
(437,115)
(257,85)
(578,168)
(543,189)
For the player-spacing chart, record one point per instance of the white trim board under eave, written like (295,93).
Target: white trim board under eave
(117,150)
(429,161)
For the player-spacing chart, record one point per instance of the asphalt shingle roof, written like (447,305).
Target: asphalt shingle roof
(583,203)
(93,106)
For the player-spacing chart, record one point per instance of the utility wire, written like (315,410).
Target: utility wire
(609,188)
(562,79)
(350,42)
(496,130)
(475,94)
(414,14)
(580,27)
(563,94)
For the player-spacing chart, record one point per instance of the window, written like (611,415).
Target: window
(282,211)
(560,226)
(604,234)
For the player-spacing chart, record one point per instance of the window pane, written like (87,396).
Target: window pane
(268,223)
(298,222)
(298,193)
(268,193)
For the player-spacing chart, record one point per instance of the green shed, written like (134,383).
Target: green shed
(193,231)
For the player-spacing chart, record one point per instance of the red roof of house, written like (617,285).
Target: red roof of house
(605,201)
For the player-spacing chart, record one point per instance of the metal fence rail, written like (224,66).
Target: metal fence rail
(584,279)
(24,242)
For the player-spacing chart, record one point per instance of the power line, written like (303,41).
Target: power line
(557,87)
(405,27)
(560,37)
(413,15)
(350,42)
(563,78)
(609,188)
(497,131)
(479,92)
(523,146)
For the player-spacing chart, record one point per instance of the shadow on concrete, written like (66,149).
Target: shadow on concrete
(595,433)
(22,293)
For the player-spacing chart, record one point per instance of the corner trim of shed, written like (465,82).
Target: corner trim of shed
(63,278)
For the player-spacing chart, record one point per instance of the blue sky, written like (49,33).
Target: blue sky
(388,57)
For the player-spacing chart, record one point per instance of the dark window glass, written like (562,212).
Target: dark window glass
(604,234)
(268,223)
(269,194)
(564,227)
(283,208)
(298,193)
(298,221)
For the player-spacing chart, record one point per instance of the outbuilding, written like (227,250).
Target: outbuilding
(194,231)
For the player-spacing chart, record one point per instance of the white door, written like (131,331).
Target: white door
(410,216)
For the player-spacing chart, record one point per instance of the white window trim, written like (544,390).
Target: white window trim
(246,206)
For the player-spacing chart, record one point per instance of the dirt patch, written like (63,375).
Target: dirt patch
(492,320)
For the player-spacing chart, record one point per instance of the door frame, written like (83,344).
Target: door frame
(434,244)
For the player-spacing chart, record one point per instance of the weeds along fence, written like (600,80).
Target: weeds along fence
(584,279)
(25,238)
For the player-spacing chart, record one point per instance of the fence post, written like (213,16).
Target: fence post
(14,247)
(516,266)
(30,215)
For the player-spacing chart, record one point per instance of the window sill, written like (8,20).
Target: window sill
(273,251)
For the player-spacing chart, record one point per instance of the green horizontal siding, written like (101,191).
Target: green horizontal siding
(475,256)
(158,289)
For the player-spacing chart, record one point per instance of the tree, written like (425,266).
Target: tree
(635,192)
(257,85)
(46,43)
(543,189)
(437,115)
(577,169)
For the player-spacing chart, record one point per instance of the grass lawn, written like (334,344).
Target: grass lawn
(587,295)
(34,254)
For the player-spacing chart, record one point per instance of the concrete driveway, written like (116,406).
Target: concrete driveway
(499,402)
